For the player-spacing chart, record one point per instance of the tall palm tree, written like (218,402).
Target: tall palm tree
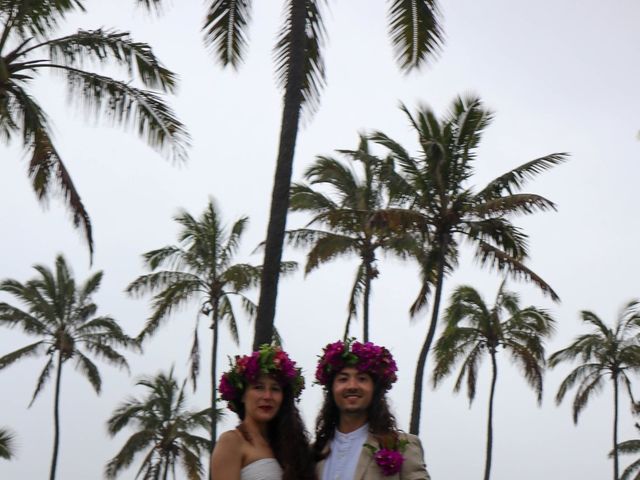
(604,353)
(63,318)
(350,214)
(473,329)
(6,444)
(445,209)
(200,267)
(28,47)
(164,427)
(632,472)
(415,35)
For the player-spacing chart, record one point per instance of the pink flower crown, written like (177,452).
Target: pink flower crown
(270,360)
(365,357)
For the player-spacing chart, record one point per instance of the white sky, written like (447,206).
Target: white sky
(561,76)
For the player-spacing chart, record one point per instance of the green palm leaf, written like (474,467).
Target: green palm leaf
(225,30)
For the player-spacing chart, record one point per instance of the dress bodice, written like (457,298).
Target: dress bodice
(263,469)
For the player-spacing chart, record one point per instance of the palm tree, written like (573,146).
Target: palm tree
(473,328)
(434,191)
(415,35)
(605,353)
(28,47)
(351,215)
(628,447)
(63,317)
(163,427)
(6,444)
(200,268)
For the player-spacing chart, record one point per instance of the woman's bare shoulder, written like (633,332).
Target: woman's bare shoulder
(230,439)
(226,460)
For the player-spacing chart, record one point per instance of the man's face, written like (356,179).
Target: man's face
(352,391)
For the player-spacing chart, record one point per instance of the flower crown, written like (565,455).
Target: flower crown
(365,357)
(270,360)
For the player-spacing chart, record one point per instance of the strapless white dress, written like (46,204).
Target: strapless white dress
(263,469)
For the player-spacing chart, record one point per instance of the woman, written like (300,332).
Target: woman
(271,442)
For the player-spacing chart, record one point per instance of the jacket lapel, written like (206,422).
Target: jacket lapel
(365,459)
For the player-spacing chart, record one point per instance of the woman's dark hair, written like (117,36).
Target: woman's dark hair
(288,438)
(382,423)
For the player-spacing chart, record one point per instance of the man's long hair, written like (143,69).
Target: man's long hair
(382,423)
(288,438)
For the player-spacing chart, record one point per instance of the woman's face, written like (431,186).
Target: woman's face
(262,399)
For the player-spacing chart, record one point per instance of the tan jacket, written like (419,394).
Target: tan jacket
(413,467)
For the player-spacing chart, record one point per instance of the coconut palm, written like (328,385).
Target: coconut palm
(28,47)
(350,214)
(474,329)
(164,428)
(200,268)
(445,209)
(63,317)
(415,35)
(6,444)
(605,354)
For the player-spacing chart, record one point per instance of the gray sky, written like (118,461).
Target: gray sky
(562,76)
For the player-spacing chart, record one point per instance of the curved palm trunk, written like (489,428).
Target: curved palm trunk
(282,180)
(494,378)
(56,420)
(616,467)
(414,425)
(365,303)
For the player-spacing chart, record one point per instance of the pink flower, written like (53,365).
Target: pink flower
(389,461)
(227,391)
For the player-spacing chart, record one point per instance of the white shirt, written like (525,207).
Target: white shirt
(345,452)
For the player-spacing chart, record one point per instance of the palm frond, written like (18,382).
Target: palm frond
(24,352)
(225,30)
(46,168)
(285,51)
(515,179)
(327,248)
(416,35)
(104,45)
(42,379)
(489,255)
(134,444)
(89,370)
(7,444)
(37,17)
(11,316)
(164,279)
(194,356)
(517,203)
(122,104)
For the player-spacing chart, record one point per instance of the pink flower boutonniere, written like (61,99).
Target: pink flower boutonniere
(389,459)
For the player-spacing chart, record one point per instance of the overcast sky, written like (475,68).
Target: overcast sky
(562,76)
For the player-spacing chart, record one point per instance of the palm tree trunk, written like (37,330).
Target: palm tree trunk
(414,425)
(365,301)
(494,378)
(282,180)
(214,391)
(165,474)
(56,419)
(616,467)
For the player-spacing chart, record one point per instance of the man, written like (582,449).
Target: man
(356,434)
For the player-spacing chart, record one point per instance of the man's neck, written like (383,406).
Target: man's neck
(350,423)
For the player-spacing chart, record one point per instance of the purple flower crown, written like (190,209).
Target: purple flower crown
(365,357)
(270,360)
